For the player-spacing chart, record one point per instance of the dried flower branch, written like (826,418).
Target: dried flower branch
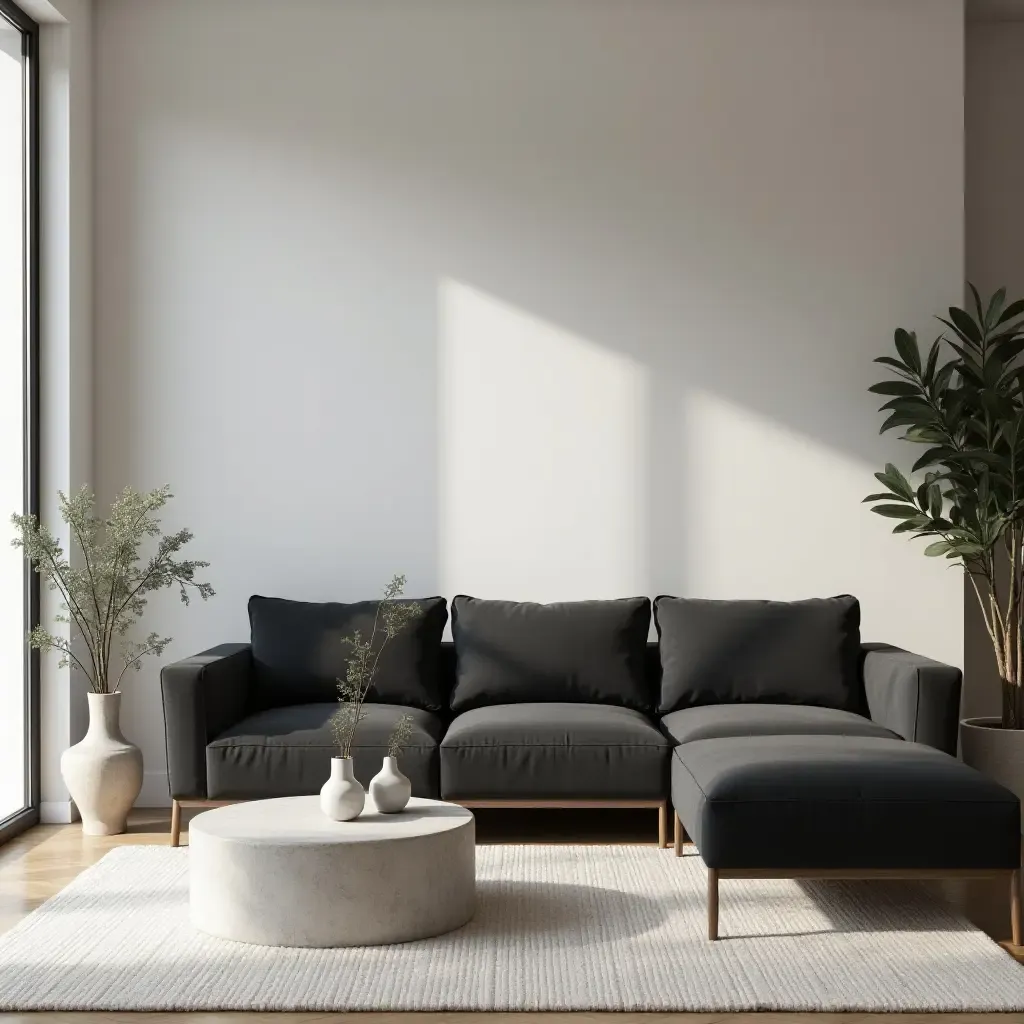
(107,595)
(391,618)
(400,736)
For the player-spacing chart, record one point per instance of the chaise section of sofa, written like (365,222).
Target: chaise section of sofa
(800,752)
(855,807)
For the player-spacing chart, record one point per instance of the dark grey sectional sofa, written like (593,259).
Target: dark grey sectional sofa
(539,703)
(779,738)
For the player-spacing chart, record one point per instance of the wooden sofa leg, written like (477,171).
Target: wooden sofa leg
(175,822)
(663,827)
(1015,909)
(712,904)
(678,837)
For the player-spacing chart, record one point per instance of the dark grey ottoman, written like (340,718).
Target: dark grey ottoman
(841,807)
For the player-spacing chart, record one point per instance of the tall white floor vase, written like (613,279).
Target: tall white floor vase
(103,773)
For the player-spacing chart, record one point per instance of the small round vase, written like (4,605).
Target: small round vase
(103,772)
(341,797)
(389,788)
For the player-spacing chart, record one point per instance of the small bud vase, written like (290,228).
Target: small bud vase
(390,790)
(103,772)
(341,797)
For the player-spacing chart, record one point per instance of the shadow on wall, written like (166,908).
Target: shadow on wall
(994,216)
(659,263)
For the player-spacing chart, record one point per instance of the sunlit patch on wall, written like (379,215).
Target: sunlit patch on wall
(543,442)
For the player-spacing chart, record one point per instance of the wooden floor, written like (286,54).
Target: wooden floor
(43,860)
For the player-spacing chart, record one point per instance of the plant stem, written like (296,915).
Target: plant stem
(68,653)
(365,684)
(80,620)
(92,585)
(132,661)
(110,623)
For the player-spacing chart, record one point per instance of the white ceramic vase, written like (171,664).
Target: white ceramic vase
(103,772)
(389,788)
(341,797)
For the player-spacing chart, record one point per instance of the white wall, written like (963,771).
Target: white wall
(994,99)
(543,300)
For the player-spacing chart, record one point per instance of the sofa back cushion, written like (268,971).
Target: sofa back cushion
(589,652)
(298,656)
(776,652)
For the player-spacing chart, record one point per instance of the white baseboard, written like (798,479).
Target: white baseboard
(57,812)
(155,791)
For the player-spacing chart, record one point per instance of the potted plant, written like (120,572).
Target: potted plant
(342,797)
(964,401)
(103,596)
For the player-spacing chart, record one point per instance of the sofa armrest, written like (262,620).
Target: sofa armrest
(913,696)
(202,696)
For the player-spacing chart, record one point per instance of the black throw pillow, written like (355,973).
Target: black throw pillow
(298,655)
(772,652)
(588,652)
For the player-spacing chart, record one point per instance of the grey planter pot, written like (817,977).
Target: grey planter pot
(994,751)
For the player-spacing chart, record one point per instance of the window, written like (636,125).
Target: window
(19,592)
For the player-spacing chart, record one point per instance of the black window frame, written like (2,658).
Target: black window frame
(29,815)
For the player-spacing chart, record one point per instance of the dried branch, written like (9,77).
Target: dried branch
(107,597)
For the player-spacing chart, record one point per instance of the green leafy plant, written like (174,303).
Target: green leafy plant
(391,617)
(400,736)
(964,400)
(106,592)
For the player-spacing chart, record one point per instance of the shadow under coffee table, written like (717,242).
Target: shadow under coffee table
(281,873)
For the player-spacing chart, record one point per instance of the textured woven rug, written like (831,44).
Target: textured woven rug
(556,928)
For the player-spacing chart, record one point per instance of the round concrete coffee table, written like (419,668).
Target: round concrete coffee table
(281,873)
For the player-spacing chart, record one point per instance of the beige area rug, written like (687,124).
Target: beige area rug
(556,928)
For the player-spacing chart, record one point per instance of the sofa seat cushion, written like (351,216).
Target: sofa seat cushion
(552,751)
(713,721)
(288,751)
(812,802)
